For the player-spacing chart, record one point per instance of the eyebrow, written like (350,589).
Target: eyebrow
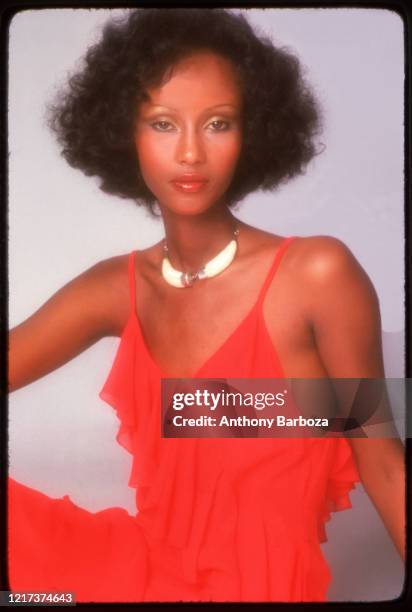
(206,109)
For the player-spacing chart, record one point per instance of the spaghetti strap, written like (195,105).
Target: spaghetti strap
(132,283)
(272,270)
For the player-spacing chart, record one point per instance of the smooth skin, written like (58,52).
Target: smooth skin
(321,310)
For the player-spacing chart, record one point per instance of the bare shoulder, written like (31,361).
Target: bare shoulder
(85,309)
(106,286)
(320,260)
(311,255)
(109,271)
(110,279)
(106,275)
(330,279)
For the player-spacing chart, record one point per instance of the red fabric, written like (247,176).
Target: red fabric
(225,519)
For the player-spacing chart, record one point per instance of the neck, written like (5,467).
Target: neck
(194,240)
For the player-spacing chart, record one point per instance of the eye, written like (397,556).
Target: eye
(162,126)
(219,125)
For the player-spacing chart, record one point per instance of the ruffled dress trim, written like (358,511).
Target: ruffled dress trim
(343,478)
(190,499)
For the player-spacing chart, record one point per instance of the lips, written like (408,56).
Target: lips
(189,183)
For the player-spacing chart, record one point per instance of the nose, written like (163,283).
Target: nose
(190,148)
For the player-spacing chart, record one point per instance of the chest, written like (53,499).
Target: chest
(182,335)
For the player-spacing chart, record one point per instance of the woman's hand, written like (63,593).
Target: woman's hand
(75,317)
(343,309)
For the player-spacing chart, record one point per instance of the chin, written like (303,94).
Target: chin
(191,207)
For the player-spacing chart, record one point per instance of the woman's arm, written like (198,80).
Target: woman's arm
(74,318)
(343,310)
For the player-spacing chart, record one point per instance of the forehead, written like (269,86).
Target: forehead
(202,79)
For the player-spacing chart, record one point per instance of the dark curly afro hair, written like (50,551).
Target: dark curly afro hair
(94,116)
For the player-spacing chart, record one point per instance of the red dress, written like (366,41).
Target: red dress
(218,519)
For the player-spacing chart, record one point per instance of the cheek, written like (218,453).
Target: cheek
(151,154)
(226,156)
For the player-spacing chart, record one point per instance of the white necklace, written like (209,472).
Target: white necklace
(220,262)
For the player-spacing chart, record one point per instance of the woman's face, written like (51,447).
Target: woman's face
(188,134)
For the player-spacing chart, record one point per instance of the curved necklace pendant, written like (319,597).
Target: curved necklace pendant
(220,262)
(188,279)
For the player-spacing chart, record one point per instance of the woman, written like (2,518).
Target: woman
(189,109)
